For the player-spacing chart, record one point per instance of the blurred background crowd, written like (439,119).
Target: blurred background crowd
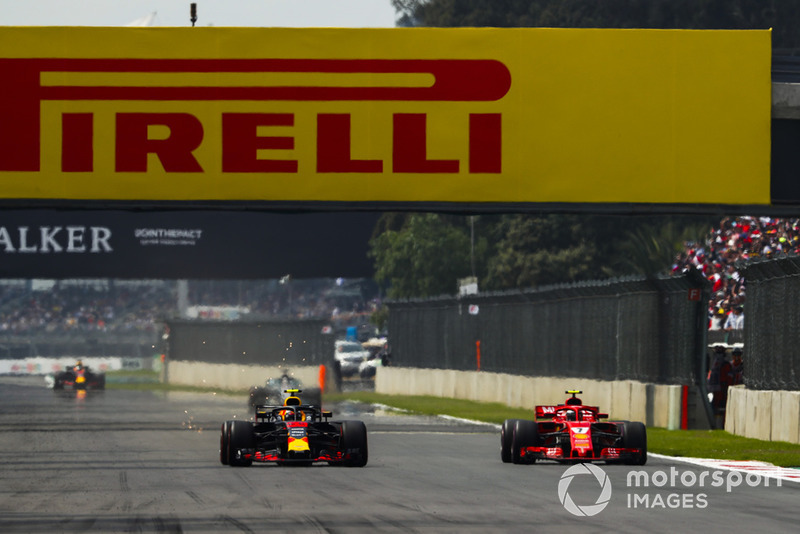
(736,240)
(57,306)
(66,306)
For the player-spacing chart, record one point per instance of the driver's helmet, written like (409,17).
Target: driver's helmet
(78,365)
(293,415)
(570,415)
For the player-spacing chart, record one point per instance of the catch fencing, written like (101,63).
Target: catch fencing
(285,342)
(647,329)
(771,333)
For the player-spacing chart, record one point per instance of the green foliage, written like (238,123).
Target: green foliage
(650,249)
(423,255)
(380,318)
(562,248)
(424,258)
(783,16)
(536,251)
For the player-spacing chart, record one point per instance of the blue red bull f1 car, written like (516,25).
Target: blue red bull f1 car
(293,434)
(572,432)
(79,377)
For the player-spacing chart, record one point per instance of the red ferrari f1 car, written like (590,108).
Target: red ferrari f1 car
(293,434)
(572,432)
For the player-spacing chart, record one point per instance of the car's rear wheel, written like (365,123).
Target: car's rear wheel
(223,443)
(354,443)
(634,436)
(240,436)
(526,434)
(506,434)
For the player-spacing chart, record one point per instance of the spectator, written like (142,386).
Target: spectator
(735,320)
(737,367)
(718,318)
(719,379)
(736,239)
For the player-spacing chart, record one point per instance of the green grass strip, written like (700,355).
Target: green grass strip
(716,444)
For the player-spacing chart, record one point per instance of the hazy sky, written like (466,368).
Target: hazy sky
(295,13)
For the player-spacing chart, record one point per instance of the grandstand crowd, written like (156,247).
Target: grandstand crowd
(105,305)
(84,306)
(73,306)
(737,239)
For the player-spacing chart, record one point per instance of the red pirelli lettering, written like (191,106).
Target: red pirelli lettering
(77,136)
(174,152)
(241,142)
(333,146)
(410,150)
(453,80)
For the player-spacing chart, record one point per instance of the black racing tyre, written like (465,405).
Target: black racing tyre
(354,442)
(526,434)
(240,436)
(506,433)
(224,443)
(634,436)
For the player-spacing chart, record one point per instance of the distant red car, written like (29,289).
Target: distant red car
(572,432)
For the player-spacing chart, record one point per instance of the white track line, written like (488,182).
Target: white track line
(749,466)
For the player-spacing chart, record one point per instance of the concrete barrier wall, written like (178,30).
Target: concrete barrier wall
(232,376)
(767,415)
(626,399)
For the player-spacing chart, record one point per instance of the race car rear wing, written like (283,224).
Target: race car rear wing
(548,412)
(545,412)
(268,413)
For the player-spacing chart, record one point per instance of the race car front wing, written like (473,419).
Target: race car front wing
(557,453)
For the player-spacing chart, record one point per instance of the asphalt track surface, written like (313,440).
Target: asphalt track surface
(133,461)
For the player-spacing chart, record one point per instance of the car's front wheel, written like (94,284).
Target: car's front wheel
(224,443)
(240,436)
(634,436)
(526,434)
(354,443)
(506,434)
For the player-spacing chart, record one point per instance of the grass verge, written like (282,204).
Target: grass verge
(716,444)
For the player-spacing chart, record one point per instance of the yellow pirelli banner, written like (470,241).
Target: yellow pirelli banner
(385,115)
